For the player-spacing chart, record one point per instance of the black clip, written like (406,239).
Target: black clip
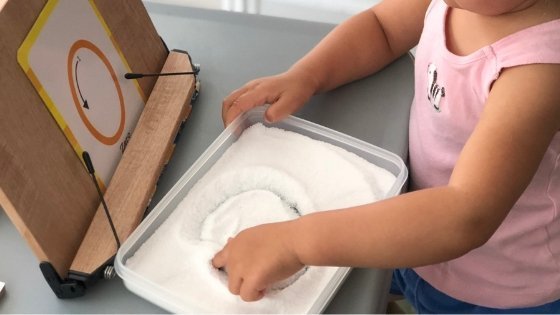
(64,289)
(196,70)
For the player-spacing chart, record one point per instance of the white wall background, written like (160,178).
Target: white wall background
(330,11)
(2,3)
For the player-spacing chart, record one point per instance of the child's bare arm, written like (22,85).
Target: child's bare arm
(358,47)
(365,43)
(423,227)
(496,165)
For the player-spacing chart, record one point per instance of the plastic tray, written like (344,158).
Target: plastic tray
(152,292)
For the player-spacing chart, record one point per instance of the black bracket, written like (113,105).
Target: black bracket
(63,288)
(196,69)
(76,283)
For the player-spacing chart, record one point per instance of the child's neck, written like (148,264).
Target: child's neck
(467,32)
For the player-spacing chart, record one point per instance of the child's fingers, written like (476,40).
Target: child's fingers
(234,284)
(281,109)
(241,104)
(246,101)
(228,101)
(233,96)
(220,259)
(231,113)
(251,291)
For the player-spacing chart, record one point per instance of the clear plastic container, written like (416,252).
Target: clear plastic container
(156,294)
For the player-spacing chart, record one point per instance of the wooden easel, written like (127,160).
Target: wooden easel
(44,187)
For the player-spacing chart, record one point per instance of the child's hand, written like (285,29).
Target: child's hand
(286,93)
(257,258)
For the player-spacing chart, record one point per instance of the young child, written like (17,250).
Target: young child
(481,225)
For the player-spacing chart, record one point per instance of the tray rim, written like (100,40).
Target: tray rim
(146,288)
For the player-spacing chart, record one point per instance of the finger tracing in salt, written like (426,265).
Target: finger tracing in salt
(268,175)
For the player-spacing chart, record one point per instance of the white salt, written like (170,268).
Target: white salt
(268,175)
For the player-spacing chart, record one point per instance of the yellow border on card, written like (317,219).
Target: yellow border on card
(23,59)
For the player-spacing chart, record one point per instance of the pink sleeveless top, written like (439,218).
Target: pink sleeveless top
(520,265)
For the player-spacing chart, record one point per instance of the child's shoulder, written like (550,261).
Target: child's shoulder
(468,31)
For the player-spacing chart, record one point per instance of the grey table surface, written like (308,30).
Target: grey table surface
(233,48)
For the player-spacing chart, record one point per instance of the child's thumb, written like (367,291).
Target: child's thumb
(219,260)
(282,109)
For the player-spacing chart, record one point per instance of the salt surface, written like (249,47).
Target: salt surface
(268,175)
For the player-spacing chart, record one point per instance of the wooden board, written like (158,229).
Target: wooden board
(44,188)
(136,176)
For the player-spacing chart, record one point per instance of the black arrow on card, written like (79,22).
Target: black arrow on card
(86,106)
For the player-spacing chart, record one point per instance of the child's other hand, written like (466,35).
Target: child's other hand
(257,258)
(286,93)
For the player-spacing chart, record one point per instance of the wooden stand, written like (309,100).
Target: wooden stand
(44,188)
(135,179)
